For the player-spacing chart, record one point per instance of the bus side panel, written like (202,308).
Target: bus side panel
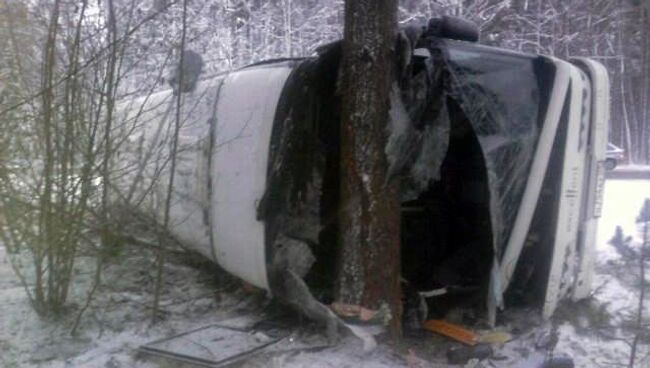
(595,175)
(501,277)
(188,207)
(563,263)
(245,112)
(144,160)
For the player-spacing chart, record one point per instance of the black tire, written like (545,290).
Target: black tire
(610,164)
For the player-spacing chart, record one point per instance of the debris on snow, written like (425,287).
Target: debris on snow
(463,354)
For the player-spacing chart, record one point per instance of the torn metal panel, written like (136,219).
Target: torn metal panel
(419,127)
(292,255)
(304,135)
(292,259)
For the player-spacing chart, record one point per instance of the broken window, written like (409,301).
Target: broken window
(500,95)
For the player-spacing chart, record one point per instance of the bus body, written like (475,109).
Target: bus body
(515,144)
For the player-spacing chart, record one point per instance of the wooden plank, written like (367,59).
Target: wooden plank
(452,331)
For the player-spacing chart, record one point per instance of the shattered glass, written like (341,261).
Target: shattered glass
(291,205)
(500,95)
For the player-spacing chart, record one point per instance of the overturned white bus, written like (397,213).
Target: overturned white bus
(500,154)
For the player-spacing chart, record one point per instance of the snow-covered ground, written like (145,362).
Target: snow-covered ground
(592,332)
(644,168)
(623,201)
(118,321)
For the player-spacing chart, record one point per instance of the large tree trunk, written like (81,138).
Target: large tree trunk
(369,218)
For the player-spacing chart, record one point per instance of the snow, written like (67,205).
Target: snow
(633,167)
(615,284)
(118,322)
(623,201)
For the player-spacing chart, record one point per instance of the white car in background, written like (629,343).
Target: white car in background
(614,156)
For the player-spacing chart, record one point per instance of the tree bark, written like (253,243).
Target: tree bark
(645,93)
(626,120)
(369,220)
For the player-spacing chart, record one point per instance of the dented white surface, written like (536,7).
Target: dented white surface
(245,113)
(217,184)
